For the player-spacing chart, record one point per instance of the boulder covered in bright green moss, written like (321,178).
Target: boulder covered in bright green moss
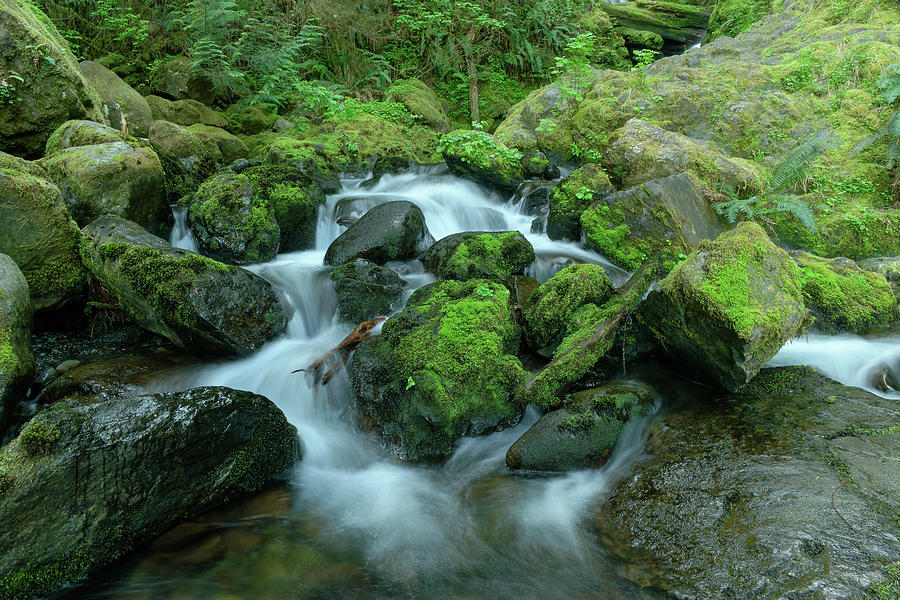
(126,110)
(115,178)
(641,38)
(305,156)
(554,304)
(232,222)
(479,255)
(610,51)
(81,133)
(662,220)
(177,143)
(185,112)
(481,157)
(421,101)
(844,298)
(90,479)
(16,358)
(231,146)
(365,290)
(390,231)
(251,120)
(443,368)
(726,310)
(583,432)
(179,79)
(38,233)
(572,196)
(199,304)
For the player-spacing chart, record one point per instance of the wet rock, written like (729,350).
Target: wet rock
(177,143)
(126,110)
(479,156)
(444,367)
(474,254)
(16,359)
(307,156)
(787,489)
(889,266)
(199,304)
(583,432)
(535,197)
(727,309)
(81,133)
(110,179)
(572,196)
(678,23)
(390,231)
(73,502)
(230,146)
(365,290)
(421,101)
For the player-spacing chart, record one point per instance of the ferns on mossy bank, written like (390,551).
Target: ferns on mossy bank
(889,84)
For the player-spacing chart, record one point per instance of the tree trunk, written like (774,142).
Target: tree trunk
(472,71)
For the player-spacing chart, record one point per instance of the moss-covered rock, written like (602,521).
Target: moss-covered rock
(889,266)
(294,199)
(479,156)
(641,39)
(174,142)
(843,297)
(231,146)
(572,196)
(233,223)
(421,101)
(185,112)
(662,220)
(179,79)
(390,231)
(365,290)
(442,368)
(14,163)
(732,17)
(726,310)
(583,432)
(16,359)
(479,255)
(114,178)
(81,133)
(126,110)
(38,233)
(91,479)
(250,120)
(305,156)
(199,304)
(610,51)
(43,87)
(676,22)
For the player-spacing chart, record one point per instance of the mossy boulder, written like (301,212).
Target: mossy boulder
(91,479)
(726,310)
(844,298)
(41,76)
(16,358)
(610,51)
(251,120)
(390,231)
(126,110)
(583,432)
(479,255)
(443,368)
(365,290)
(307,157)
(115,178)
(889,266)
(177,143)
(479,156)
(554,304)
(675,22)
(233,223)
(81,133)
(179,79)
(38,233)
(572,196)
(185,112)
(421,101)
(231,146)
(733,17)
(199,304)
(641,39)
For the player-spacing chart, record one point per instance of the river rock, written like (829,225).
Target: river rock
(81,133)
(662,220)
(442,368)
(572,196)
(365,290)
(185,112)
(583,432)
(307,156)
(889,266)
(479,156)
(37,232)
(110,179)
(421,101)
(126,110)
(174,142)
(179,79)
(90,479)
(474,254)
(16,359)
(231,146)
(201,305)
(788,489)
(726,310)
(390,231)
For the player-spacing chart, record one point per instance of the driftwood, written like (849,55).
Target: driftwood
(322,370)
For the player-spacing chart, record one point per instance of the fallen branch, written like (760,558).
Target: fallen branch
(322,370)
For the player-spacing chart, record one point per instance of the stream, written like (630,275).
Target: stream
(352,522)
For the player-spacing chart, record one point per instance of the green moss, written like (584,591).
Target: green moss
(25,584)
(488,255)
(39,438)
(732,17)
(263,453)
(572,196)
(889,587)
(421,101)
(480,155)
(293,197)
(606,232)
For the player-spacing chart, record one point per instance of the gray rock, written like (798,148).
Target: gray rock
(479,254)
(390,231)
(16,359)
(126,110)
(889,266)
(179,79)
(282,125)
(185,112)
(365,290)
(231,146)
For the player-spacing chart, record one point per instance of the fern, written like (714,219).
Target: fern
(734,208)
(798,208)
(889,84)
(795,165)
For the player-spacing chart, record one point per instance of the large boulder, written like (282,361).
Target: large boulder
(233,223)
(90,479)
(662,220)
(179,79)
(199,304)
(185,112)
(583,432)
(421,101)
(43,87)
(365,290)
(572,196)
(481,157)
(37,232)
(390,231)
(81,133)
(126,110)
(889,266)
(479,254)
(177,143)
(727,309)
(678,23)
(444,367)
(786,490)
(110,179)
(231,146)
(16,359)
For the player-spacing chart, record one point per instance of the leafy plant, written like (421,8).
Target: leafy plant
(8,85)
(889,85)
(643,57)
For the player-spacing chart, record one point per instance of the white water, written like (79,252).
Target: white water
(181,236)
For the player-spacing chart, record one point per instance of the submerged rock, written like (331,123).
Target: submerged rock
(572,196)
(199,304)
(365,290)
(479,156)
(474,254)
(126,110)
(726,310)
(390,231)
(16,359)
(88,480)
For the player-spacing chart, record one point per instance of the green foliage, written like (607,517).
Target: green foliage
(8,85)
(889,86)
(121,22)
(643,57)
(479,149)
(38,438)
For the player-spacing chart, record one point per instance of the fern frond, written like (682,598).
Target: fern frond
(794,166)
(799,209)
(733,209)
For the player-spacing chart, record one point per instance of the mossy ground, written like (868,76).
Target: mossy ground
(498,256)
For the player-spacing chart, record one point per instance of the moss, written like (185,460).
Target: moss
(80,133)
(420,100)
(251,120)
(263,453)
(488,255)
(482,157)
(639,38)
(572,196)
(294,199)
(606,232)
(732,17)
(889,587)
(39,438)
(24,584)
